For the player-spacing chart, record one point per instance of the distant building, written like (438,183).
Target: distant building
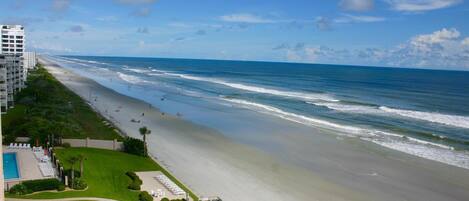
(29,62)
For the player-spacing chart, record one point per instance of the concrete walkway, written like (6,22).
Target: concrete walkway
(63,199)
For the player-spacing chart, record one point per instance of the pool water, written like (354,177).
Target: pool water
(10,166)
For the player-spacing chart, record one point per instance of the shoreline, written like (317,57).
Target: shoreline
(248,168)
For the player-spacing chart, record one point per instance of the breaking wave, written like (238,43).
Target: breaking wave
(421,148)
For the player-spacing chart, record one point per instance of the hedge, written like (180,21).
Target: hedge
(136,181)
(134,146)
(145,196)
(32,186)
(42,184)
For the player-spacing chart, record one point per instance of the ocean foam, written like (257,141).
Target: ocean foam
(136,70)
(130,78)
(409,145)
(257,89)
(451,120)
(447,156)
(347,108)
(295,117)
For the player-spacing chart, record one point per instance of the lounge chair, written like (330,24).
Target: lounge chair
(11,145)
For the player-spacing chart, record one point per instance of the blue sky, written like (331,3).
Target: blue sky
(403,33)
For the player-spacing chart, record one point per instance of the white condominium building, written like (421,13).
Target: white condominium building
(12,73)
(29,62)
(12,39)
(3,84)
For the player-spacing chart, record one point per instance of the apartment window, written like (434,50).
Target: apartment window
(12,37)
(19,50)
(4,41)
(5,45)
(12,41)
(19,45)
(4,36)
(19,37)
(5,27)
(12,50)
(19,41)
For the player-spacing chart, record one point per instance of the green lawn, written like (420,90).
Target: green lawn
(105,174)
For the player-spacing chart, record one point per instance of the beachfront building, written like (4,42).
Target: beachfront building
(13,72)
(3,84)
(12,39)
(29,62)
(11,79)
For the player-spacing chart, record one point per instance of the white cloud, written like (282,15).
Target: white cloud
(426,42)
(346,18)
(356,5)
(245,18)
(465,42)
(444,49)
(421,5)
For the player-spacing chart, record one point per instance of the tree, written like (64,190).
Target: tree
(81,158)
(73,160)
(144,131)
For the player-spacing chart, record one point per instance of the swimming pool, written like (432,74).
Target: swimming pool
(10,166)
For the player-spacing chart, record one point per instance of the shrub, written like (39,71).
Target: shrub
(134,186)
(66,145)
(20,189)
(136,181)
(145,196)
(79,184)
(42,184)
(134,146)
(61,187)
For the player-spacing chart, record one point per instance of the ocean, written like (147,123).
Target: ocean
(420,112)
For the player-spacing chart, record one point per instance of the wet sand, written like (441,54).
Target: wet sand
(310,164)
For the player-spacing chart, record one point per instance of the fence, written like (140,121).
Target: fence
(101,144)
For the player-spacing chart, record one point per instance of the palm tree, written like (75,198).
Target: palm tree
(81,158)
(144,131)
(73,160)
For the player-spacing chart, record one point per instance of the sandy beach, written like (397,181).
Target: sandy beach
(213,165)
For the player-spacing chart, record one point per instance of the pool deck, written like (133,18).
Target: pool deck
(28,166)
(149,184)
